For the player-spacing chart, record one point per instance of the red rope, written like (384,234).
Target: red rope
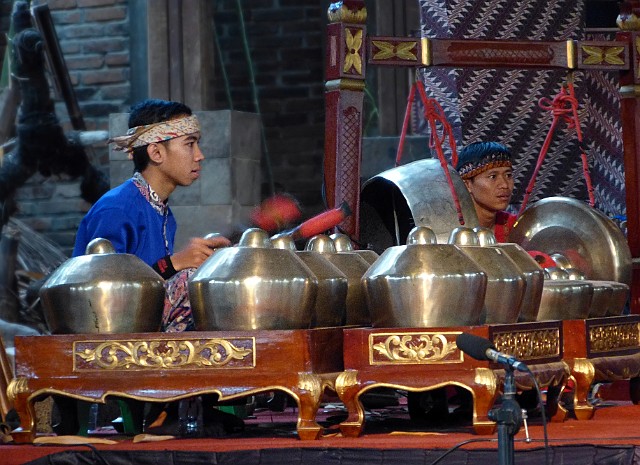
(405,123)
(563,106)
(583,152)
(434,114)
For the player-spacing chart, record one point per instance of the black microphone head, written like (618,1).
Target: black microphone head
(474,346)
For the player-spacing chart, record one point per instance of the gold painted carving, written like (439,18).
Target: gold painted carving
(346,380)
(402,50)
(17,386)
(426,51)
(310,383)
(413,348)
(571,54)
(352,54)
(628,22)
(603,55)
(607,338)
(345,84)
(631,91)
(345,15)
(128,355)
(584,367)
(486,377)
(527,345)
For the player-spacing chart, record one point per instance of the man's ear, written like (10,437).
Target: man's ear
(155,153)
(467,183)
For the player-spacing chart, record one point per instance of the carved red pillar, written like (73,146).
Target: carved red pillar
(629,23)
(344,92)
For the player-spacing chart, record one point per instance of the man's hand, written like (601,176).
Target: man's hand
(197,251)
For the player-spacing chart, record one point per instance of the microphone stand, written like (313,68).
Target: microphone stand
(508,417)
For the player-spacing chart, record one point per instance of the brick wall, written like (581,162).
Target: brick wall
(286,39)
(94,38)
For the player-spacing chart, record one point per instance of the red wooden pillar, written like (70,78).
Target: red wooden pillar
(629,22)
(344,92)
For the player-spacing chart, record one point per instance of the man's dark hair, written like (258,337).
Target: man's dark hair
(148,112)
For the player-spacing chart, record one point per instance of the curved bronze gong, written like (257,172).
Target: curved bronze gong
(590,241)
(416,194)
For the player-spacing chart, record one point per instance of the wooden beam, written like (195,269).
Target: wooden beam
(578,55)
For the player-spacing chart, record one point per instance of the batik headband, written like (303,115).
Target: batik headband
(489,161)
(140,136)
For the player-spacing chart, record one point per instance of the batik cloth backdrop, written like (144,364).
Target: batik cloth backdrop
(502,105)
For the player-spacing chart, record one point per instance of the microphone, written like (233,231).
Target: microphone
(482,349)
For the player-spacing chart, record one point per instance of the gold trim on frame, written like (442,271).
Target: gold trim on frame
(614,337)
(571,54)
(413,348)
(528,345)
(631,91)
(426,51)
(345,84)
(164,354)
(345,15)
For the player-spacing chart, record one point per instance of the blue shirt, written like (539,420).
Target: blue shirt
(127,219)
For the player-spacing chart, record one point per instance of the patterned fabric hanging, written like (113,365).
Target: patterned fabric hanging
(502,104)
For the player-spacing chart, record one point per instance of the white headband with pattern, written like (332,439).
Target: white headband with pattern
(140,136)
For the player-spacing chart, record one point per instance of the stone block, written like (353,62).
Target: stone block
(246,174)
(198,221)
(216,182)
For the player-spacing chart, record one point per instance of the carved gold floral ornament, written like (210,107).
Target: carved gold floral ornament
(125,355)
(412,348)
(402,50)
(352,55)
(603,55)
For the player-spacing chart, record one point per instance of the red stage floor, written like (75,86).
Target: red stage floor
(614,424)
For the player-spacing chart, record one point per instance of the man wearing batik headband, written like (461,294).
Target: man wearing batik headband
(485,168)
(163,143)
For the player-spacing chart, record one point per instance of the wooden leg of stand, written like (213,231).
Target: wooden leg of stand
(308,428)
(583,372)
(485,393)
(25,409)
(348,389)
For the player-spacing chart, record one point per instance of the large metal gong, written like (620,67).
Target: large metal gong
(393,202)
(591,242)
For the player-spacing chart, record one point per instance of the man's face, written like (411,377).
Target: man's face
(183,157)
(492,189)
